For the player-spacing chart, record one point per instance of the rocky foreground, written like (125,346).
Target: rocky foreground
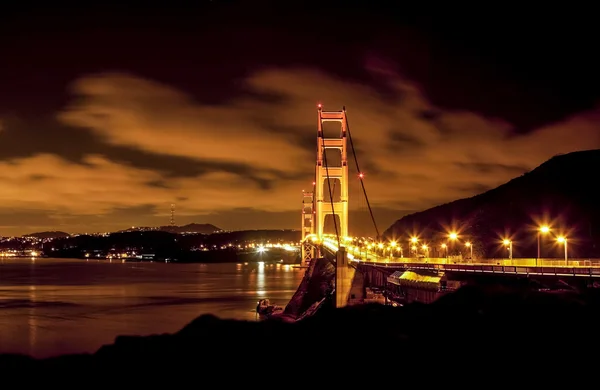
(477,329)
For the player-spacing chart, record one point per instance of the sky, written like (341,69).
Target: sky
(108,114)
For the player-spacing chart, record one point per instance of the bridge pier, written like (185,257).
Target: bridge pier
(344,276)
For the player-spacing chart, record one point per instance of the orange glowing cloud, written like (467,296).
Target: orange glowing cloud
(47,182)
(414,155)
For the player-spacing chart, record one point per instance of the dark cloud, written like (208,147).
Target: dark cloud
(471,189)
(485,168)
(400,141)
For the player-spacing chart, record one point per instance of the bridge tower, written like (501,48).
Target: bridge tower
(308,224)
(340,206)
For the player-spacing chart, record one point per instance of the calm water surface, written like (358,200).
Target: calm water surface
(55,306)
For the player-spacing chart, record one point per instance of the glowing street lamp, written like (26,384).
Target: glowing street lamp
(393,245)
(425,249)
(399,249)
(563,240)
(508,244)
(544,229)
(413,241)
(470,246)
(453,236)
(445,248)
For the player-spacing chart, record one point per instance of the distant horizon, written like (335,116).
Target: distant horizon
(359,220)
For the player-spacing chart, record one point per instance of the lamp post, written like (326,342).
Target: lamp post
(414,241)
(393,245)
(563,240)
(542,230)
(452,237)
(508,244)
(470,246)
(445,248)
(425,250)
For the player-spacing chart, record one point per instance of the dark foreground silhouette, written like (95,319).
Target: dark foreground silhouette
(485,330)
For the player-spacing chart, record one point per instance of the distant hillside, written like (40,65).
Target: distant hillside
(52,234)
(563,188)
(163,244)
(204,228)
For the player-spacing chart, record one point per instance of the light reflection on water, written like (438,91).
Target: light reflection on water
(55,306)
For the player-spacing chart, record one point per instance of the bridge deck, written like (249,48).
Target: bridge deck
(555,267)
(491,269)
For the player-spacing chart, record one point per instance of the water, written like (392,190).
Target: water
(55,306)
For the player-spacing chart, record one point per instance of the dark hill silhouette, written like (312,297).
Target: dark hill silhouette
(563,188)
(494,330)
(162,244)
(49,234)
(203,228)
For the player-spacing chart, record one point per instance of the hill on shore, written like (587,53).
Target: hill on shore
(203,228)
(561,192)
(49,234)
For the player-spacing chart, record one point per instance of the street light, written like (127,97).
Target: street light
(392,246)
(414,241)
(425,249)
(453,236)
(445,248)
(508,243)
(469,245)
(563,240)
(542,230)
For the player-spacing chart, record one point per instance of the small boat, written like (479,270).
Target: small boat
(265,309)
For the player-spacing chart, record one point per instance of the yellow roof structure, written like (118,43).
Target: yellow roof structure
(408,278)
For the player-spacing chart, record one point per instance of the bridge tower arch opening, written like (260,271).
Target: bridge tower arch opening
(325,172)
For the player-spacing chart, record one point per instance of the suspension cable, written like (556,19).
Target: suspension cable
(360,176)
(337,234)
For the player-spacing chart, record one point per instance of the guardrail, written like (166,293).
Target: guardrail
(585,263)
(593,272)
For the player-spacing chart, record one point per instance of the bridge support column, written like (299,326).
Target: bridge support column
(327,173)
(308,226)
(343,278)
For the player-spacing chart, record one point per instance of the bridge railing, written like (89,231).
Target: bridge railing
(524,262)
(593,272)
